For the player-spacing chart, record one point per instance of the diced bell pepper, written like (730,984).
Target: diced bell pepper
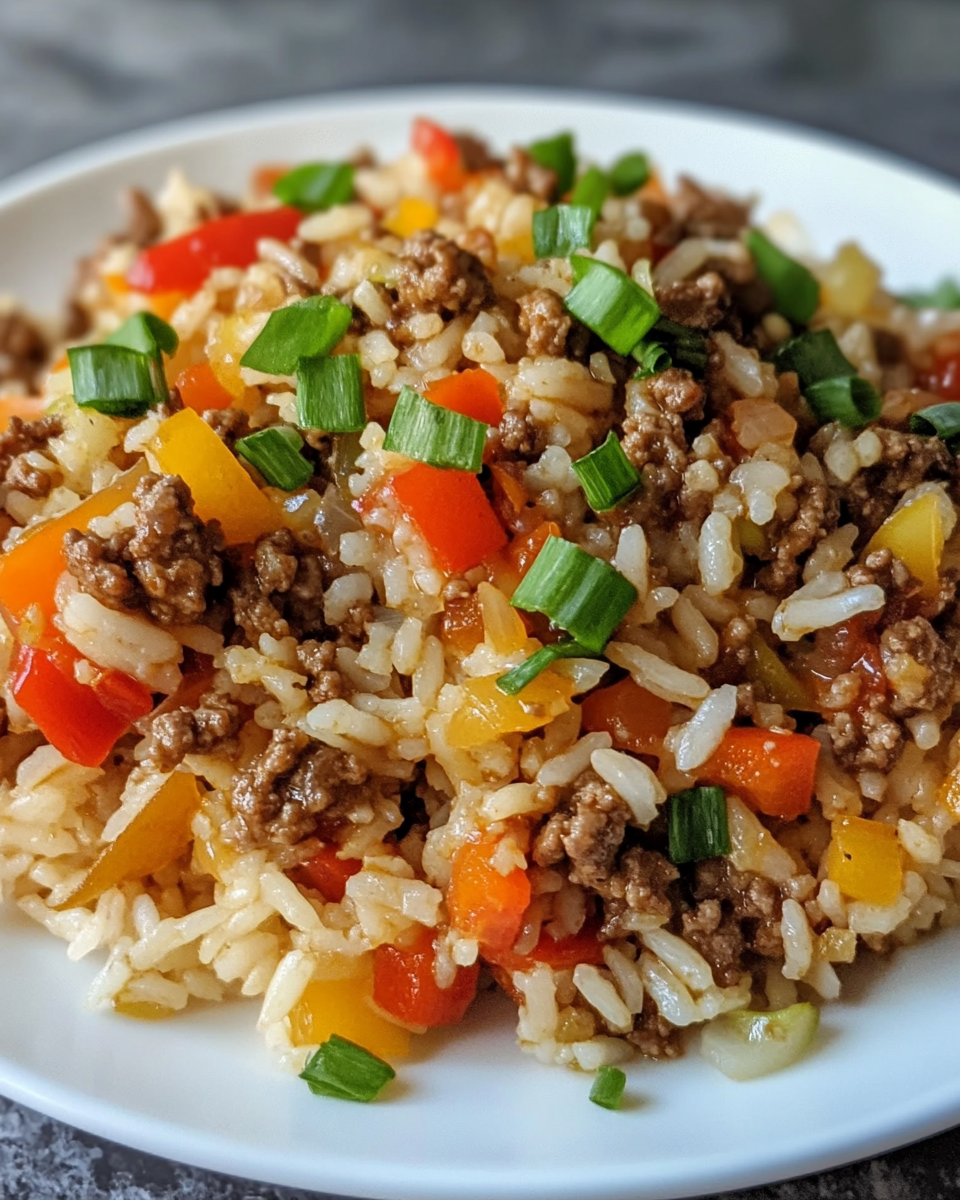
(483,903)
(410,216)
(343,1007)
(636,719)
(864,860)
(915,535)
(405,985)
(486,713)
(452,513)
(771,772)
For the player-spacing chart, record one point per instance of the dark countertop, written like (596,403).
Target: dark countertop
(73,71)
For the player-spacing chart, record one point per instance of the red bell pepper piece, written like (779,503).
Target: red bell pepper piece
(404,984)
(561,954)
(183,263)
(326,873)
(453,514)
(636,719)
(83,721)
(473,393)
(440,152)
(483,903)
(771,772)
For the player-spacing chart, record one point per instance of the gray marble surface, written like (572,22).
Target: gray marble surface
(72,71)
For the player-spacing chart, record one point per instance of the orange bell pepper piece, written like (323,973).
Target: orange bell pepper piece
(185,445)
(405,986)
(27,408)
(452,513)
(636,719)
(326,873)
(482,903)
(200,389)
(440,153)
(561,954)
(473,393)
(487,713)
(345,1007)
(463,624)
(771,772)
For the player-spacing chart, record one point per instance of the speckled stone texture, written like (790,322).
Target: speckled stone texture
(73,71)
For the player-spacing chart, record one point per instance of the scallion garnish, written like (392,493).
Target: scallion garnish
(580,594)
(687,347)
(116,380)
(796,292)
(608,1085)
(697,825)
(557,154)
(814,355)
(945,295)
(560,230)
(316,186)
(434,435)
(593,187)
(146,332)
(346,1071)
(517,679)
(330,394)
(939,420)
(276,453)
(607,300)
(305,329)
(629,173)
(652,357)
(606,475)
(847,399)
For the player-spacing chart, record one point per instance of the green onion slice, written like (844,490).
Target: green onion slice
(435,435)
(939,420)
(116,380)
(652,357)
(276,453)
(330,394)
(848,399)
(593,187)
(608,301)
(580,594)
(606,475)
(945,295)
(607,1090)
(560,230)
(796,292)
(517,679)
(306,329)
(687,347)
(697,825)
(557,154)
(814,355)
(146,332)
(346,1071)
(316,186)
(629,173)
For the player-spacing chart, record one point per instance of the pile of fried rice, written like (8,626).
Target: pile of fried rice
(313,688)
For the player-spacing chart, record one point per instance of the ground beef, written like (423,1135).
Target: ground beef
(524,174)
(735,912)
(24,477)
(475,154)
(641,883)
(545,321)
(166,563)
(143,222)
(229,424)
(587,829)
(481,244)
(817,515)
(913,691)
(22,436)
(436,275)
(865,741)
(705,213)
(180,731)
(703,303)
(718,937)
(653,1036)
(735,654)
(907,459)
(23,350)
(279,589)
(676,391)
(317,660)
(520,435)
(656,444)
(298,788)
(902,590)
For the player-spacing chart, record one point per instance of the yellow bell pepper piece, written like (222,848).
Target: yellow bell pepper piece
(914,534)
(487,714)
(782,686)
(185,445)
(520,246)
(157,835)
(949,794)
(410,216)
(344,1007)
(847,284)
(864,860)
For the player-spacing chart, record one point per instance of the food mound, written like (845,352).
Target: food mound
(466,572)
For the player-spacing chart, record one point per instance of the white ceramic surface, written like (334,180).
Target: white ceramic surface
(471,1117)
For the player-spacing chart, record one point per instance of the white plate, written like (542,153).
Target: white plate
(471,1116)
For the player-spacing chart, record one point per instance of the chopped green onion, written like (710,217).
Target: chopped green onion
(629,173)
(580,594)
(557,154)
(652,357)
(146,332)
(607,1090)
(275,452)
(116,380)
(330,394)
(848,399)
(593,187)
(434,435)
(606,475)
(796,292)
(697,821)
(346,1071)
(306,329)
(607,301)
(688,347)
(560,230)
(316,186)
(814,355)
(945,295)
(516,680)
(939,420)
